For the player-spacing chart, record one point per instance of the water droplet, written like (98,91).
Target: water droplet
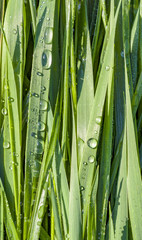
(10,99)
(85,163)
(107,68)
(33,134)
(92,143)
(43,88)
(35,95)
(46,59)
(39,148)
(91,159)
(10,167)
(15,31)
(39,74)
(48,35)
(15,154)
(98,120)
(6,87)
(41,211)
(79,6)
(31,153)
(6,144)
(82,188)
(43,105)
(4,111)
(41,126)
(2,100)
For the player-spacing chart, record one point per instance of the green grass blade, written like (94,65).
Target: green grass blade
(105,164)
(111,227)
(1,216)
(89,153)
(134,48)
(8,221)
(33,13)
(120,211)
(137,95)
(44,235)
(85,85)
(75,224)
(58,229)
(134,183)
(38,103)
(126,37)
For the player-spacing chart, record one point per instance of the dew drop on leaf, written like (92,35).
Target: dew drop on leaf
(39,74)
(92,143)
(4,111)
(48,35)
(15,31)
(41,126)
(43,105)
(107,68)
(91,159)
(85,163)
(10,99)
(46,59)
(35,95)
(15,154)
(98,120)
(6,145)
(82,188)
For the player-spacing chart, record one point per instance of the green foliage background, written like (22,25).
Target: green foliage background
(71,119)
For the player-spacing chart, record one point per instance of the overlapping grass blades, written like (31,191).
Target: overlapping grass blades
(71,120)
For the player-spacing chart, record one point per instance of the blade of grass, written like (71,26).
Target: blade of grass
(134,183)
(105,163)
(89,153)
(8,221)
(85,85)
(38,104)
(120,211)
(1,216)
(75,224)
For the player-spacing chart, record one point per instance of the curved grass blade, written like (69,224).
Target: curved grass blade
(89,153)
(38,103)
(104,13)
